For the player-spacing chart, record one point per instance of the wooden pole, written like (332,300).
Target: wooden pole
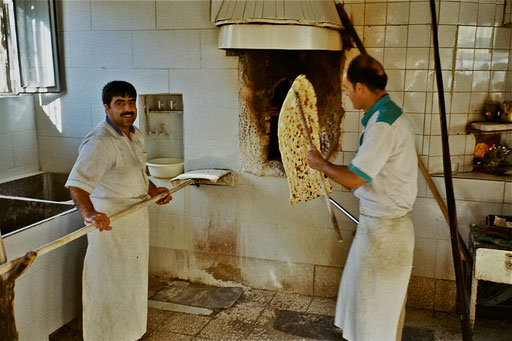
(463,310)
(84,230)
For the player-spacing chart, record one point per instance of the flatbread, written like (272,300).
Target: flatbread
(304,182)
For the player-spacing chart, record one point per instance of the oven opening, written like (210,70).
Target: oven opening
(279,93)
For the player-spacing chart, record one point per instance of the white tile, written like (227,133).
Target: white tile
(350,122)
(211,124)
(356,13)
(375,14)
(211,55)
(481,80)
(398,13)
(16,114)
(419,12)
(78,124)
(58,162)
(6,151)
(444,261)
(100,49)
(416,121)
(477,101)
(394,58)
(415,80)
(183,14)
(423,261)
(468,13)
(374,36)
(258,240)
(482,59)
(484,37)
(458,123)
(74,15)
(395,80)
(466,37)
(508,193)
(465,58)
(417,58)
(308,245)
(25,149)
(460,103)
(446,58)
(418,36)
(123,15)
(206,88)
(449,13)
(396,36)
(486,14)
(428,219)
(502,37)
(169,49)
(483,191)
(84,85)
(463,81)
(170,232)
(472,212)
(435,148)
(498,81)
(350,142)
(447,34)
(457,144)
(500,59)
(376,52)
(414,102)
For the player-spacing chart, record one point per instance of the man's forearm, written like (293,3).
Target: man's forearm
(82,201)
(342,175)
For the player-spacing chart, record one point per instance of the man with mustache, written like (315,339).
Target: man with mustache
(108,177)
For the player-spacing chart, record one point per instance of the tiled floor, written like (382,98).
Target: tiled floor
(252,317)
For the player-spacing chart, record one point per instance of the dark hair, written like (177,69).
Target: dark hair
(367,70)
(117,88)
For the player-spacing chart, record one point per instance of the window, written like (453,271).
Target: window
(28,47)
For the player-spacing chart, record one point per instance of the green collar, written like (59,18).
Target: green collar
(376,106)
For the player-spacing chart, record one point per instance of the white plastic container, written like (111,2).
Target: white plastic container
(165,168)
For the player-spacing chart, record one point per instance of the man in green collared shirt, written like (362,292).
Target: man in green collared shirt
(383,176)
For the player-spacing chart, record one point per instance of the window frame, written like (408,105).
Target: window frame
(15,82)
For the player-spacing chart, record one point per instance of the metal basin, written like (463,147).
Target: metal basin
(44,186)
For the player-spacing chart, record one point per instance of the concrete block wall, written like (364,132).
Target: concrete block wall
(250,234)
(18,138)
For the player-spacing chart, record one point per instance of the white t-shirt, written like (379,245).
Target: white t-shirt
(387,160)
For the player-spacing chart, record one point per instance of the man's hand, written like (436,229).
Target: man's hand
(316,160)
(154,191)
(84,205)
(99,219)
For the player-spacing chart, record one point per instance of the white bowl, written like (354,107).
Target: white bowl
(165,167)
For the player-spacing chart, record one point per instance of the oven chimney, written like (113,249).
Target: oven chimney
(279,25)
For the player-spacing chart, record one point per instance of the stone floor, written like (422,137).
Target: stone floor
(253,317)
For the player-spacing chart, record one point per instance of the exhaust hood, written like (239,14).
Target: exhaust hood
(279,25)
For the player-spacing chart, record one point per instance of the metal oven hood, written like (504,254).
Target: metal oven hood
(279,25)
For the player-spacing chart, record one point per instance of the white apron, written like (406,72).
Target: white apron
(115,276)
(374,283)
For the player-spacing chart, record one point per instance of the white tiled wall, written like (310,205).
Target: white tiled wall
(18,140)
(170,47)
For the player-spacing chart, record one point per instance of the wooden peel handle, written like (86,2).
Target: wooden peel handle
(320,176)
(89,228)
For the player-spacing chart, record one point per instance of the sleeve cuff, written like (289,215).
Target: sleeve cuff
(360,173)
(79,184)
